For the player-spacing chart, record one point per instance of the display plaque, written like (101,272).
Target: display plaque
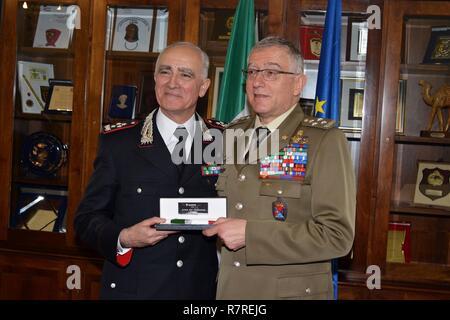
(191,213)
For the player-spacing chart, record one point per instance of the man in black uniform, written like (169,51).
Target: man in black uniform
(133,170)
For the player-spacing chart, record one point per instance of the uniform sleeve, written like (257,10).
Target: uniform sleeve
(94,218)
(329,232)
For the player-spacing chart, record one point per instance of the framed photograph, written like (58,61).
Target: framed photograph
(33,80)
(311,41)
(432,184)
(400,122)
(357,39)
(216,82)
(40,209)
(123,100)
(52,30)
(132,29)
(60,96)
(438,49)
(147,96)
(352,103)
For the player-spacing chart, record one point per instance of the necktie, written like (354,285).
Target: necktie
(178,152)
(259,135)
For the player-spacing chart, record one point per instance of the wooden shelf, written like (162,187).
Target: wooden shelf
(121,55)
(56,182)
(408,208)
(416,273)
(425,69)
(44,117)
(422,140)
(45,52)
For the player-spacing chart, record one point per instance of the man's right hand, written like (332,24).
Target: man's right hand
(143,234)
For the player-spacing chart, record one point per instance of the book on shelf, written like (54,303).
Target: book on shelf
(52,28)
(33,79)
(123,102)
(399,242)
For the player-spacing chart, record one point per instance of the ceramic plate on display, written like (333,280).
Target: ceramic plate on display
(43,153)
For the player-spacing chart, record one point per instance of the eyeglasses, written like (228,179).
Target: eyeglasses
(268,74)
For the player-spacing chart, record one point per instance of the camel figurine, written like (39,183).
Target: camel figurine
(439,101)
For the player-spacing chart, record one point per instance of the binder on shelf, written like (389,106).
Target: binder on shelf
(52,30)
(33,79)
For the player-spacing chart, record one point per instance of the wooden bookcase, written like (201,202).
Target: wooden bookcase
(385,149)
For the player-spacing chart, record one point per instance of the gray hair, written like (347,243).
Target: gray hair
(204,56)
(294,53)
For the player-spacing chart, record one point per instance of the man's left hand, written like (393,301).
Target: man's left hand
(230,231)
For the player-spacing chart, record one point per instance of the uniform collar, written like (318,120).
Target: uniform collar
(167,126)
(147,128)
(274,124)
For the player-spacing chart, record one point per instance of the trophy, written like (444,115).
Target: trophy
(438,101)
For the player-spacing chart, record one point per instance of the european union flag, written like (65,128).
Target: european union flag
(328,79)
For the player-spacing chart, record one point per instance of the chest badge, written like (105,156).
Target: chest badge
(279,209)
(212,169)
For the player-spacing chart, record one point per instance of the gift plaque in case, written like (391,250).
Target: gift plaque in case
(191,213)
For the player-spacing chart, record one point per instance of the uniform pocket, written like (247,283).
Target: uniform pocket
(305,286)
(285,189)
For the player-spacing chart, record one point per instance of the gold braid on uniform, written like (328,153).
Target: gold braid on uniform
(206,135)
(147,129)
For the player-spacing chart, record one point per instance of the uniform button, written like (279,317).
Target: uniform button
(239,206)
(181,239)
(242,177)
(280,191)
(113,285)
(237,264)
(215,184)
(308,290)
(139,190)
(181,190)
(179,263)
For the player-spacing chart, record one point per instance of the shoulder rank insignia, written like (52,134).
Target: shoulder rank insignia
(237,121)
(119,126)
(321,123)
(213,123)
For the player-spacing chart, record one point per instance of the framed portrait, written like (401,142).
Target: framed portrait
(40,209)
(438,49)
(216,81)
(60,96)
(122,104)
(147,96)
(352,103)
(432,184)
(357,39)
(400,122)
